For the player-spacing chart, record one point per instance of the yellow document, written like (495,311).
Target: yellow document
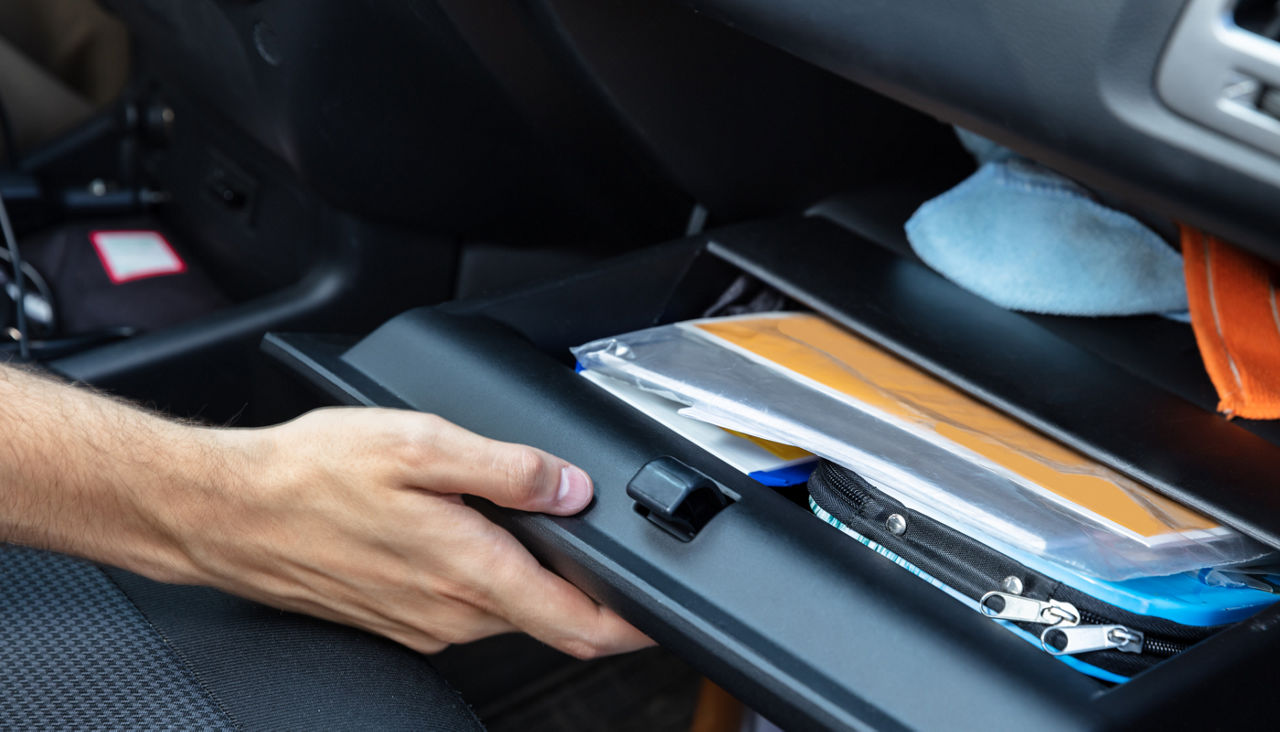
(838,361)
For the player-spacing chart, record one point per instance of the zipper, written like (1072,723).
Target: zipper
(1069,628)
(1072,631)
(1019,609)
(1164,648)
(1156,646)
(847,489)
(1069,641)
(849,498)
(1078,626)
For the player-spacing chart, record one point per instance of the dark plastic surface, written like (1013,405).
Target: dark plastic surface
(1068,83)
(397,111)
(809,627)
(742,599)
(595,122)
(750,131)
(204,367)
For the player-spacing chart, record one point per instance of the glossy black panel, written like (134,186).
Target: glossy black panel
(1069,83)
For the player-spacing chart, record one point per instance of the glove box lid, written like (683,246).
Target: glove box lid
(766,600)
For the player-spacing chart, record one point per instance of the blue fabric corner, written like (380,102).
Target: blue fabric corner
(1028,239)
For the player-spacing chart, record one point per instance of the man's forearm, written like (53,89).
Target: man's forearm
(352,515)
(87,475)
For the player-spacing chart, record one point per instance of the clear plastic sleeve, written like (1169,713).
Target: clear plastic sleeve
(800,380)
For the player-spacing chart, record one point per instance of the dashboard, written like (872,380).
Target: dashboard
(1166,105)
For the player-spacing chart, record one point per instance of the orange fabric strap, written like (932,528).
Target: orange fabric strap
(1236,317)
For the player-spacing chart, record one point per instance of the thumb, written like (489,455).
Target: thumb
(511,475)
(529,479)
(456,460)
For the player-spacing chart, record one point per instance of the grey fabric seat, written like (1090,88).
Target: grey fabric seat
(86,647)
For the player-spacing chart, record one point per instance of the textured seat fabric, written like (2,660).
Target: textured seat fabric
(83,647)
(76,654)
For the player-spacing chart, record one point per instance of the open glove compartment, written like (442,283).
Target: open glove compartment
(808,627)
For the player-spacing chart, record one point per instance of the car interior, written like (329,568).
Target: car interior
(425,204)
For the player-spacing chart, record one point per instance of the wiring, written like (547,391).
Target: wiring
(19,279)
(33,274)
(58,347)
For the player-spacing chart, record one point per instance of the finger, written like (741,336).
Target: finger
(562,616)
(515,476)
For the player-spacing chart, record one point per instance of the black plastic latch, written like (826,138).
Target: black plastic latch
(676,497)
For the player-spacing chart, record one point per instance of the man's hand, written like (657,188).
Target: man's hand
(353,515)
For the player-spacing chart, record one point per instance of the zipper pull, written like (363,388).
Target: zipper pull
(1026,610)
(1088,638)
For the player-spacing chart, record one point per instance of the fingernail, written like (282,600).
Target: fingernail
(575,490)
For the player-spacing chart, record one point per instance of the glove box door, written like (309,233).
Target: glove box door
(806,626)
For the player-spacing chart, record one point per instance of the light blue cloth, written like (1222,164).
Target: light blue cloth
(983,150)
(1026,238)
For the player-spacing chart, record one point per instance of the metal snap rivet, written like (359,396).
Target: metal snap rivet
(896,524)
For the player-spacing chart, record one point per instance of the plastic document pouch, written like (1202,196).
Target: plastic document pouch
(798,379)
(1109,630)
(766,462)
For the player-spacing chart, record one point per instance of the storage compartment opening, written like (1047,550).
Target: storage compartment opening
(692,290)
(502,367)
(643,350)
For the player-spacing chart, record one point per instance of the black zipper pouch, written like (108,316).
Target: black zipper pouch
(1090,634)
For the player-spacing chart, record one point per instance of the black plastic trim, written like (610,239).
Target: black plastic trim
(1071,84)
(739,601)
(810,628)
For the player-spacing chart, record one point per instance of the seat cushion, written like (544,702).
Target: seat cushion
(76,654)
(83,646)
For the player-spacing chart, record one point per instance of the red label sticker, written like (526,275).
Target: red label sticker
(135,255)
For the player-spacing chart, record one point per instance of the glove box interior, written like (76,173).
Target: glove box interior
(805,625)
